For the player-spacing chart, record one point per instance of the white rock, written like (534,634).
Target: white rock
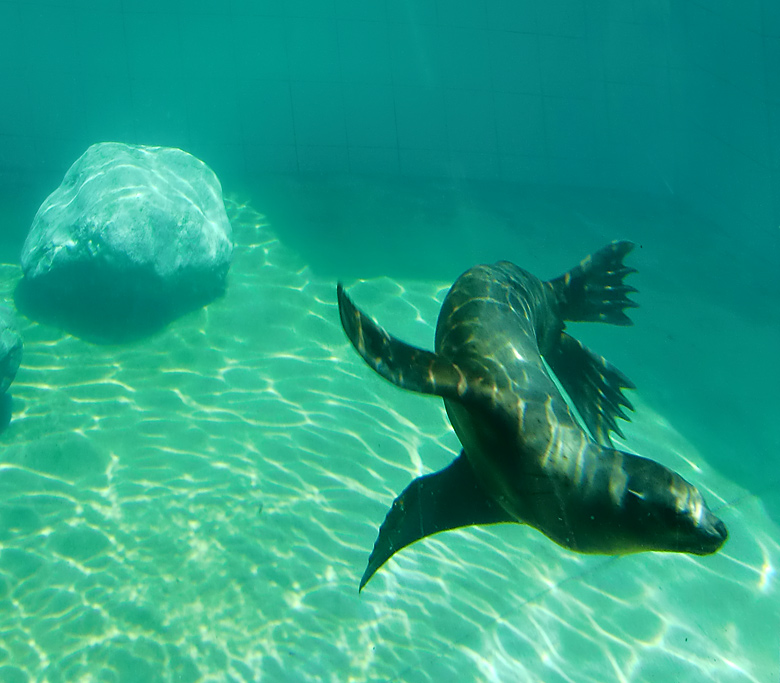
(131,225)
(10,348)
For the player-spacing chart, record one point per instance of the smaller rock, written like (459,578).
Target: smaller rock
(10,348)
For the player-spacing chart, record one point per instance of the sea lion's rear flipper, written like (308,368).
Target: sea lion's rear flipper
(594,290)
(594,386)
(448,499)
(404,365)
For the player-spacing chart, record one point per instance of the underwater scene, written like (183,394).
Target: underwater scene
(205,474)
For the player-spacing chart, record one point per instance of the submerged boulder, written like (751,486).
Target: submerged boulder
(10,348)
(134,235)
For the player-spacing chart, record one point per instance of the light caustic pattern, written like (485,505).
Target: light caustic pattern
(200,506)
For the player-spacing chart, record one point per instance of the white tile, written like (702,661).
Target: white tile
(745,13)
(318,114)
(374,10)
(562,18)
(514,62)
(17,152)
(48,33)
(773,113)
(421,118)
(205,8)
(747,127)
(696,91)
(21,98)
(53,112)
(751,187)
(602,18)
(516,16)
(701,91)
(97,6)
(15,35)
(265,109)
(471,122)
(313,50)
(739,119)
(564,67)
(771,70)
(776,197)
(415,60)
(160,112)
(770,18)
(652,12)
(364,50)
(100,43)
(635,54)
(637,111)
(716,43)
(684,158)
(109,112)
(464,13)
(650,174)
(148,7)
(369,113)
(270,158)
(585,172)
(474,165)
(424,162)
(643,148)
(54,155)
(520,124)
(252,9)
(208,47)
(463,57)
(703,176)
(633,71)
(372,160)
(153,46)
(742,62)
(226,160)
(698,35)
(678,84)
(416,12)
(571,128)
(310,9)
(595,49)
(213,111)
(518,168)
(260,48)
(322,159)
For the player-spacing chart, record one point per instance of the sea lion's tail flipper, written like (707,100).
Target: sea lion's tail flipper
(402,364)
(594,385)
(594,291)
(448,499)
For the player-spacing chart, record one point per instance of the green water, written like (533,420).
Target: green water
(199,505)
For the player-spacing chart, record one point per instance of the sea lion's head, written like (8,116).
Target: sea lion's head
(667,513)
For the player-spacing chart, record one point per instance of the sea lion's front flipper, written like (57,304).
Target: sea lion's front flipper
(594,290)
(402,364)
(448,499)
(594,386)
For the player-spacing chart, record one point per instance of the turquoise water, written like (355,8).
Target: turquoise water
(200,505)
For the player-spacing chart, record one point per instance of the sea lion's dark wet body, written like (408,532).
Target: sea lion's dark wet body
(525,457)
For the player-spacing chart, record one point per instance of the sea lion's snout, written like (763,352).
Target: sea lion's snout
(708,532)
(713,534)
(721,530)
(668,512)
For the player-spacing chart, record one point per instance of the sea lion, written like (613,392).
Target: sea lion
(525,457)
